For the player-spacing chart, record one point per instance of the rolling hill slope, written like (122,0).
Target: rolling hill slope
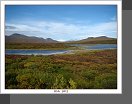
(19,38)
(96,40)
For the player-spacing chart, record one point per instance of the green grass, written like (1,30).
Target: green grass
(82,70)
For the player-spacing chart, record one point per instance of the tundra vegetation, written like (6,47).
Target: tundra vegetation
(81,70)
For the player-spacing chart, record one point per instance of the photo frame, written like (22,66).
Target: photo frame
(63,91)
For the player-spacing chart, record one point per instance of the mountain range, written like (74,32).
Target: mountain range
(96,40)
(20,38)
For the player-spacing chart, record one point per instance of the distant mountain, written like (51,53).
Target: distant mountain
(96,40)
(20,38)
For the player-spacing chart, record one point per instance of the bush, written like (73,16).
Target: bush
(11,79)
(31,65)
(35,80)
(72,84)
(23,81)
(60,82)
(90,74)
(106,81)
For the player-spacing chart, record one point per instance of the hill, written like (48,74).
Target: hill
(96,40)
(19,38)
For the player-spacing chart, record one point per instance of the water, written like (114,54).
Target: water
(35,52)
(52,52)
(96,46)
(102,46)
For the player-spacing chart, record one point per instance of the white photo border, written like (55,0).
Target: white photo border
(63,91)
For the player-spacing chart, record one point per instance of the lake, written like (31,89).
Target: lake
(52,52)
(101,46)
(34,52)
(96,46)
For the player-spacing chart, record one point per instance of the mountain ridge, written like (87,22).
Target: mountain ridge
(20,38)
(96,40)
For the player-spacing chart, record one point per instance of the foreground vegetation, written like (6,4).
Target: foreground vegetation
(82,70)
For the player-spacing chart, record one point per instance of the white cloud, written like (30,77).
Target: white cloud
(61,40)
(22,27)
(64,31)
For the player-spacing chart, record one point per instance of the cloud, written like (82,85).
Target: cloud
(21,27)
(62,30)
(10,27)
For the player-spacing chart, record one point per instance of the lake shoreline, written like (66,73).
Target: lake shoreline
(75,48)
(71,46)
(64,53)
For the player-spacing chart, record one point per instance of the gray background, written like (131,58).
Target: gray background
(124,98)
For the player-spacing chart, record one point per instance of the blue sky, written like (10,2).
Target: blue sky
(62,23)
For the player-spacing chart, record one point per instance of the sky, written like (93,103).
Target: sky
(62,22)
